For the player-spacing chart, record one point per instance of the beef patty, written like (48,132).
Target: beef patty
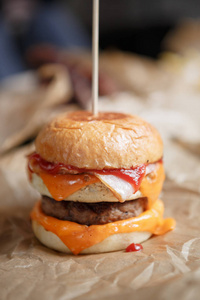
(93,213)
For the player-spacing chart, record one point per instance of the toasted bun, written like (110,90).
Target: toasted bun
(113,243)
(108,140)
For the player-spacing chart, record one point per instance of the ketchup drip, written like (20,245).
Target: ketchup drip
(134,247)
(43,164)
(133,175)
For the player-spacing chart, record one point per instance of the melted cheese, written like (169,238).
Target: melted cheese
(62,186)
(79,237)
(152,184)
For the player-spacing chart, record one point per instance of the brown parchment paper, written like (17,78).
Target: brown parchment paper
(169,265)
(26,104)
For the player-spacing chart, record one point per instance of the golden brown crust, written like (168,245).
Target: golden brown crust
(108,140)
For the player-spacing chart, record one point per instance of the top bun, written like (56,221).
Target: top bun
(107,140)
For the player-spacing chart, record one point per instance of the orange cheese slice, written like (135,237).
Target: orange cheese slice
(79,237)
(61,186)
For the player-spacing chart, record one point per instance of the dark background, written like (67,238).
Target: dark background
(136,25)
(130,25)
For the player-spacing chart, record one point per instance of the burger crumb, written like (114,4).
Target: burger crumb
(86,178)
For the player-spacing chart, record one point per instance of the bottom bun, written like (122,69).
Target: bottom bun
(114,242)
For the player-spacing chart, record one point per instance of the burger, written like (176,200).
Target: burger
(99,177)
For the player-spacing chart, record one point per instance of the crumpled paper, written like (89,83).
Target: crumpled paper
(26,104)
(169,265)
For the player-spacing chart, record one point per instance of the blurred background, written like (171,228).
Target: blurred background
(136,25)
(149,64)
(131,25)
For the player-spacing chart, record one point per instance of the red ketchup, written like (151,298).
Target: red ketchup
(43,164)
(134,175)
(134,247)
